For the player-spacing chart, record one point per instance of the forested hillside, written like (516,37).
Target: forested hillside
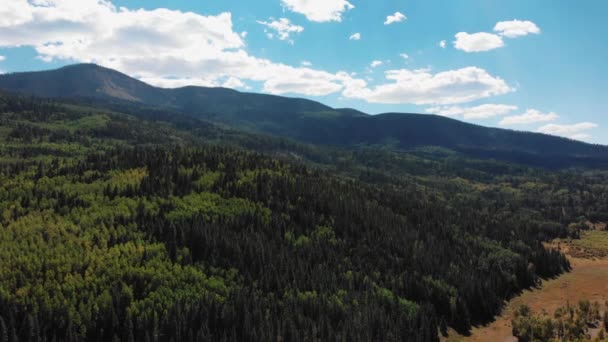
(117,228)
(304,120)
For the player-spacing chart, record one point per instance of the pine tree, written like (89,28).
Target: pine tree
(3,330)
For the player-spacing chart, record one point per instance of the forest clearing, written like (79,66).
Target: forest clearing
(588,280)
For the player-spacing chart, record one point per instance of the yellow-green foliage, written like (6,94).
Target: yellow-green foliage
(249,177)
(568,323)
(338,300)
(68,259)
(321,233)
(390,297)
(122,179)
(593,242)
(211,206)
(86,122)
(68,264)
(207,180)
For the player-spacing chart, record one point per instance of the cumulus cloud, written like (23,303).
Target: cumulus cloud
(375,64)
(171,48)
(422,87)
(477,42)
(484,41)
(529,117)
(516,28)
(442,44)
(2,58)
(14,13)
(404,56)
(395,18)
(355,36)
(84,29)
(306,63)
(59,28)
(484,111)
(575,131)
(283,28)
(319,10)
(313,82)
(178,82)
(233,82)
(163,47)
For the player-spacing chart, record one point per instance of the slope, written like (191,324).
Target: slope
(306,120)
(114,227)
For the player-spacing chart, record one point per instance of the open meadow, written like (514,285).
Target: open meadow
(588,280)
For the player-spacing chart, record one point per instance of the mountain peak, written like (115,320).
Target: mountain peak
(306,120)
(80,81)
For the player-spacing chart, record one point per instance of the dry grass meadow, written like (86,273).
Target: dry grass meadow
(587,280)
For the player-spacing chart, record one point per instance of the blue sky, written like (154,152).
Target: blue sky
(526,65)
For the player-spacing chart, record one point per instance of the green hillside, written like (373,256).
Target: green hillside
(304,120)
(118,226)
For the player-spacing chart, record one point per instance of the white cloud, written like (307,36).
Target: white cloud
(283,27)
(305,81)
(163,47)
(233,82)
(244,34)
(84,29)
(516,28)
(395,18)
(306,63)
(529,117)
(575,131)
(404,56)
(484,41)
(319,10)
(484,111)
(2,58)
(421,87)
(477,42)
(172,82)
(375,64)
(14,13)
(580,137)
(442,44)
(171,48)
(355,36)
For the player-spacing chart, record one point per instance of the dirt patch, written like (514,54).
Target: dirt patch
(592,244)
(597,225)
(587,280)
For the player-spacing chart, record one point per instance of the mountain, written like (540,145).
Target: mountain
(82,80)
(306,120)
(96,82)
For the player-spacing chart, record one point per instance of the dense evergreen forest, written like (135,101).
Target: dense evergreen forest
(115,228)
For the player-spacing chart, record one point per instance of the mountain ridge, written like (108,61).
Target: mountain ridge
(302,119)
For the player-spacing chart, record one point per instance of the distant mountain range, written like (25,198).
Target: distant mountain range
(305,120)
